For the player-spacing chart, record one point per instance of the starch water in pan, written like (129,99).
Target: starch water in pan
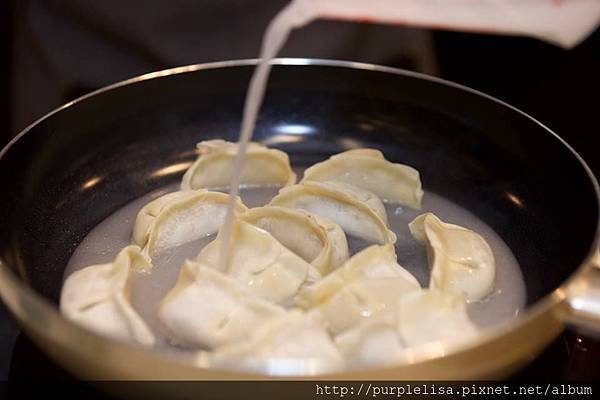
(105,241)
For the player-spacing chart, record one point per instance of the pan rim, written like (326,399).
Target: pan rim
(546,303)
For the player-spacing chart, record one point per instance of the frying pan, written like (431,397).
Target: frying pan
(71,169)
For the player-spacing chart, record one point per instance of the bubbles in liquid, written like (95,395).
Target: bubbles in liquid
(103,243)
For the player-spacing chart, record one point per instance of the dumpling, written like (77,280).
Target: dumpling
(180,217)
(433,316)
(280,346)
(369,170)
(318,241)
(461,260)
(207,309)
(259,262)
(366,285)
(97,297)
(214,166)
(358,212)
(374,342)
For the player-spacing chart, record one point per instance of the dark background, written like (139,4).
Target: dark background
(57,50)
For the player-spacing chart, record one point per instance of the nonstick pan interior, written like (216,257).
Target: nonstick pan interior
(77,166)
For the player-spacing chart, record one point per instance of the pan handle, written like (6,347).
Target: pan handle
(583,299)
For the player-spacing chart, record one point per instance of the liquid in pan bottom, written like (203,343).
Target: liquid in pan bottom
(105,241)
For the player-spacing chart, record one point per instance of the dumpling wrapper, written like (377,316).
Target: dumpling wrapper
(461,260)
(433,316)
(374,342)
(318,241)
(259,262)
(207,309)
(366,285)
(360,213)
(369,170)
(97,297)
(214,166)
(280,346)
(178,218)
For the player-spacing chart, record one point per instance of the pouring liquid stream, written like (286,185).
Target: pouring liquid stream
(275,36)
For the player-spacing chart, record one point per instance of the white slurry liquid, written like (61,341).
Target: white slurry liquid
(105,241)
(275,36)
